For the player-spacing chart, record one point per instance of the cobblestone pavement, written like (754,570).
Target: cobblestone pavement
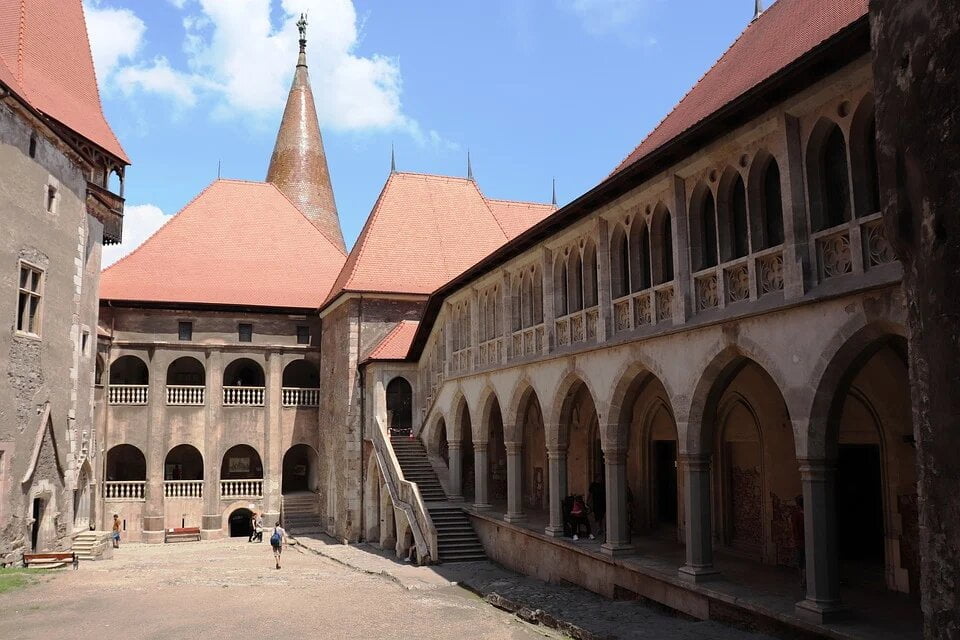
(577,611)
(229,588)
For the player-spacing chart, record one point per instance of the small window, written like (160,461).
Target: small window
(185,330)
(51,198)
(30,296)
(33,145)
(303,335)
(246,332)
(84,343)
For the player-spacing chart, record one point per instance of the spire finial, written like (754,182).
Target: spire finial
(757,8)
(393,160)
(469,166)
(554,200)
(302,26)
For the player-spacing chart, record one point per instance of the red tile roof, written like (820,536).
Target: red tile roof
(44,47)
(782,34)
(426,229)
(237,243)
(395,344)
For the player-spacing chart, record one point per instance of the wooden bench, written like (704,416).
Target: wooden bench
(182,534)
(52,560)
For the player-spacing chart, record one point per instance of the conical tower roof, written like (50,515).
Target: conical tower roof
(298,166)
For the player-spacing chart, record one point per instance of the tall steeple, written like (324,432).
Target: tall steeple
(298,166)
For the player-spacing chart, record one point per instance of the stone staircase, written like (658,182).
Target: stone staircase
(299,514)
(456,539)
(93,545)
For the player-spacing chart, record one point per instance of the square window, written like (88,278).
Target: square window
(246,332)
(185,330)
(303,335)
(30,295)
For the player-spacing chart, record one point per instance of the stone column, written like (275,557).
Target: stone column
(153,520)
(798,270)
(604,300)
(696,498)
(618,524)
(822,601)
(557,462)
(683,304)
(549,311)
(454,465)
(211,526)
(514,482)
(272,445)
(481,464)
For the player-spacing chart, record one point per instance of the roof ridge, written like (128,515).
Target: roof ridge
(486,203)
(506,201)
(622,164)
(322,234)
(397,328)
(432,175)
(162,227)
(20,38)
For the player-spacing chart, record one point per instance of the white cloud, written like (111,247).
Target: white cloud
(115,35)
(139,223)
(160,78)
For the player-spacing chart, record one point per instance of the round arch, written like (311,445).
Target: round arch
(301,374)
(186,370)
(241,462)
(399,406)
(239,522)
(129,369)
(301,470)
(126,463)
(183,462)
(243,372)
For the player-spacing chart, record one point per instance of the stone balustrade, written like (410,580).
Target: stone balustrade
(183,489)
(185,395)
(128,394)
(129,490)
(243,396)
(252,488)
(527,342)
(301,396)
(579,326)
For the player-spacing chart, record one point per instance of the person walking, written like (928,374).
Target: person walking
(116,531)
(253,527)
(277,539)
(258,527)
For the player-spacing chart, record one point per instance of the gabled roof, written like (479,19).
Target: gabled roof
(45,50)
(426,229)
(784,32)
(395,344)
(237,243)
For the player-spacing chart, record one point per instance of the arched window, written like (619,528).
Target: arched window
(590,275)
(186,371)
(241,462)
(183,462)
(560,285)
(301,374)
(732,216)
(662,245)
(766,202)
(129,370)
(704,218)
(575,282)
(399,406)
(517,299)
(639,255)
(863,156)
(126,463)
(537,295)
(243,372)
(827,176)
(619,263)
(526,307)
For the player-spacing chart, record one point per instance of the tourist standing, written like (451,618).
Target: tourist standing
(116,531)
(277,540)
(258,527)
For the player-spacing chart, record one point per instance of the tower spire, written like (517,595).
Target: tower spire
(393,160)
(757,8)
(298,167)
(554,199)
(469,166)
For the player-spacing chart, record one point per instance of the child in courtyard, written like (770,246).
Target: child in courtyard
(277,540)
(116,531)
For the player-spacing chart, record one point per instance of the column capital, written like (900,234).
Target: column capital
(615,455)
(556,452)
(454,445)
(513,448)
(695,461)
(816,469)
(480,446)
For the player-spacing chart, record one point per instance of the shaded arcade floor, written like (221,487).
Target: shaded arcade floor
(873,612)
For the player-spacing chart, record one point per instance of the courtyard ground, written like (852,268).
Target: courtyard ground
(229,588)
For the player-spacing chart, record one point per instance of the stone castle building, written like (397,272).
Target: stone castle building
(61,199)
(713,330)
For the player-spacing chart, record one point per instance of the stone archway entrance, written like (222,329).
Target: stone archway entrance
(239,523)
(300,469)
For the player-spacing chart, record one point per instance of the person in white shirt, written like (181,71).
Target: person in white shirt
(277,539)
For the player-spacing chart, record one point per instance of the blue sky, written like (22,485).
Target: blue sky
(536,89)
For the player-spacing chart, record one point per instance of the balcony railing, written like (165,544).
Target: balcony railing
(241,488)
(528,341)
(128,393)
(301,396)
(461,360)
(183,489)
(491,352)
(845,248)
(131,491)
(243,396)
(579,326)
(647,307)
(185,395)
(107,207)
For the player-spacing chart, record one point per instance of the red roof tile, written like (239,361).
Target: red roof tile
(782,34)
(237,243)
(426,229)
(44,45)
(395,344)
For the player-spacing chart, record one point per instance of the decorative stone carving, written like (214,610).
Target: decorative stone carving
(593,317)
(878,248)
(706,288)
(576,328)
(770,273)
(621,315)
(834,255)
(641,309)
(664,298)
(563,331)
(737,279)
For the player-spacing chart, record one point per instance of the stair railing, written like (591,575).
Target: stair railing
(405,495)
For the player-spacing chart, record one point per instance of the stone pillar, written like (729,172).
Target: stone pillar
(211,526)
(822,602)
(454,467)
(683,304)
(272,445)
(696,498)
(798,270)
(153,520)
(618,524)
(549,311)
(604,301)
(557,462)
(514,482)
(481,465)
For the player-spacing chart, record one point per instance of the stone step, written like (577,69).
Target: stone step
(462,557)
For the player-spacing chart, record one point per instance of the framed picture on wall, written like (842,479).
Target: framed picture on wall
(239,465)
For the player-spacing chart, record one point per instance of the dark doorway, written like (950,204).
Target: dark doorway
(665,468)
(299,466)
(240,523)
(860,504)
(37,519)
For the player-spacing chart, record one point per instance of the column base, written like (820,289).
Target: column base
(152,537)
(615,549)
(211,534)
(270,518)
(481,506)
(210,522)
(554,532)
(514,517)
(820,612)
(697,575)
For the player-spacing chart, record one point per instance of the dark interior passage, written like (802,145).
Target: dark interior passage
(240,523)
(665,465)
(860,504)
